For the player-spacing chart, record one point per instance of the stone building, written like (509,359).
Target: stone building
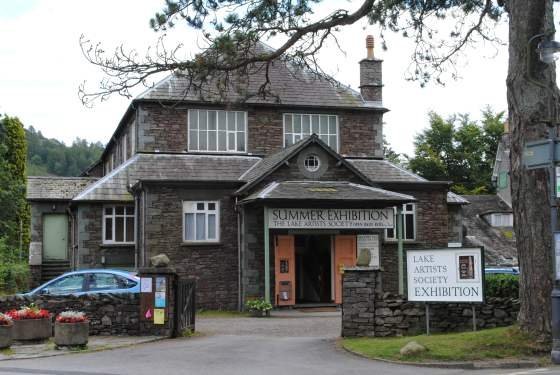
(253,197)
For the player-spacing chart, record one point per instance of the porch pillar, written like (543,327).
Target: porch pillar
(400,248)
(266,257)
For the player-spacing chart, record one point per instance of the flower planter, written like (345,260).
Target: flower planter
(259,313)
(71,334)
(32,329)
(6,336)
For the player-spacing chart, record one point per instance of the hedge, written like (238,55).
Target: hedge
(498,285)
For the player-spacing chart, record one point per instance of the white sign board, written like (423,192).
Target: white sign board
(445,275)
(369,242)
(330,218)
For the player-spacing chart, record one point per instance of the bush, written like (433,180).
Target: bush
(14,274)
(258,305)
(499,285)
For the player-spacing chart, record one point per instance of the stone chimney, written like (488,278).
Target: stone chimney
(371,82)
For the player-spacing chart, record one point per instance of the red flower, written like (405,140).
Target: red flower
(28,313)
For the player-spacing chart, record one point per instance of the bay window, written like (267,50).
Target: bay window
(118,224)
(217,131)
(201,221)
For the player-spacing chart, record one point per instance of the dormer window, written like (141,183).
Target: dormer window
(298,126)
(217,131)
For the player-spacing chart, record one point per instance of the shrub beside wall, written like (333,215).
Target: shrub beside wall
(502,286)
(14,277)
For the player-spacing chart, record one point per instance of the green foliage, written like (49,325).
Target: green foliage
(390,154)
(14,274)
(51,157)
(501,286)
(258,305)
(486,344)
(14,215)
(460,150)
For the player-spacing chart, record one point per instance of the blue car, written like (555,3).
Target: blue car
(88,282)
(502,270)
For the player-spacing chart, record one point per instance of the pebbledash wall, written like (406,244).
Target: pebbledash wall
(109,314)
(369,311)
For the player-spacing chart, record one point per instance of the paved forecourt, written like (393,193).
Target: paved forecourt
(289,343)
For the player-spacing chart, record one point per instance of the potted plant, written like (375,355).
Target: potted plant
(6,326)
(31,323)
(71,328)
(258,307)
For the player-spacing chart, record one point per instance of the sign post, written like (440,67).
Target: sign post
(446,275)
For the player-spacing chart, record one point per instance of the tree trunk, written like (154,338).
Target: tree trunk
(530,105)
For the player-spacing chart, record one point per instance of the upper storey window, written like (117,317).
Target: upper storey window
(298,126)
(217,131)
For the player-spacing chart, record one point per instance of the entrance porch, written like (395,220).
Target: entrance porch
(311,231)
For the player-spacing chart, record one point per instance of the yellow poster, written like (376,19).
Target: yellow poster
(159,316)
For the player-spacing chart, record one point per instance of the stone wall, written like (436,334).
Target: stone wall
(214,265)
(109,314)
(368,311)
(165,129)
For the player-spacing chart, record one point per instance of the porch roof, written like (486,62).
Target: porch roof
(326,191)
(51,188)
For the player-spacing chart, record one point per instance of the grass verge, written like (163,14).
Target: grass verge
(496,343)
(221,314)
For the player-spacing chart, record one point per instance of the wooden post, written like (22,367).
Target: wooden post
(400,249)
(427,319)
(266,257)
(473,318)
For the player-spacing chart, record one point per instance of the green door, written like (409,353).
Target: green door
(55,237)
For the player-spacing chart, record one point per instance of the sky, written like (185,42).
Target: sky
(41,67)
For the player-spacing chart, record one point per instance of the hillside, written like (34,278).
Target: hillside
(51,157)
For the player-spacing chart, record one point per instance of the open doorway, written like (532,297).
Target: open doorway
(313,269)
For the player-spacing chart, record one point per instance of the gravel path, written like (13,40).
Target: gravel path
(289,323)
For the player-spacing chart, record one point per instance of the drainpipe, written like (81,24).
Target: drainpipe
(72,235)
(239,261)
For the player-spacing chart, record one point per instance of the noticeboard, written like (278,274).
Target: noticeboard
(445,275)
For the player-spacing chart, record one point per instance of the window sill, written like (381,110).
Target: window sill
(118,244)
(395,242)
(195,243)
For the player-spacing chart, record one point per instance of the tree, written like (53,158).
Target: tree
(233,27)
(390,154)
(14,216)
(459,150)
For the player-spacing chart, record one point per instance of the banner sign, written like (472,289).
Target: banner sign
(445,275)
(330,218)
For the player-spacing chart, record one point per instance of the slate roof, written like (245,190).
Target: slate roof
(326,190)
(289,84)
(56,188)
(499,243)
(165,167)
(384,171)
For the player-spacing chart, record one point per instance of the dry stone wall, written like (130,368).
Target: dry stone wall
(368,311)
(109,314)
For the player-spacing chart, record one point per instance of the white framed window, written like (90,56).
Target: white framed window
(118,224)
(409,221)
(201,221)
(217,131)
(312,163)
(298,126)
(501,220)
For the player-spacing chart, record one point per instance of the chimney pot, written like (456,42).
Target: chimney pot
(369,47)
